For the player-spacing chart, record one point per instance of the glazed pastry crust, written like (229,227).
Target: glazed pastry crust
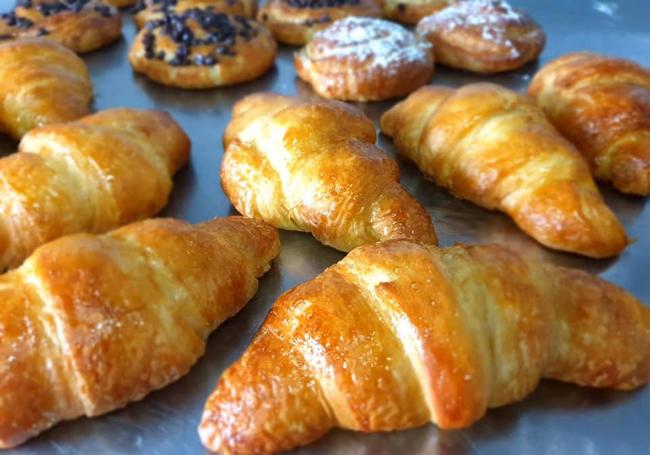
(92,175)
(313,167)
(399,334)
(82,31)
(485,36)
(410,12)
(363,59)
(248,59)
(121,3)
(153,9)
(91,323)
(494,147)
(296,26)
(44,83)
(602,105)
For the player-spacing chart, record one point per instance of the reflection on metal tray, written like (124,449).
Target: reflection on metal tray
(555,419)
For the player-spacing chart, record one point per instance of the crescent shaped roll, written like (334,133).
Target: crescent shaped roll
(494,147)
(313,166)
(43,83)
(399,334)
(90,323)
(91,175)
(602,105)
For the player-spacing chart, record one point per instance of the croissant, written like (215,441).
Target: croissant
(494,147)
(313,167)
(90,323)
(602,105)
(43,83)
(92,175)
(399,334)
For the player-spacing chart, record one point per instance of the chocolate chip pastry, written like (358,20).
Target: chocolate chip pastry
(296,21)
(147,10)
(202,49)
(81,25)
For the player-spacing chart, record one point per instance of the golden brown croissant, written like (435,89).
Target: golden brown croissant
(494,147)
(43,83)
(398,334)
(92,175)
(313,167)
(602,105)
(90,323)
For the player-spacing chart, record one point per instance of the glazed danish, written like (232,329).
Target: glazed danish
(483,36)
(365,59)
(202,49)
(295,21)
(411,11)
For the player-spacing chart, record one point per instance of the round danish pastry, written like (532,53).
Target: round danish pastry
(365,59)
(202,49)
(483,36)
(81,25)
(411,11)
(147,10)
(295,21)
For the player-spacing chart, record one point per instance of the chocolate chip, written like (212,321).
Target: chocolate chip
(401,7)
(316,4)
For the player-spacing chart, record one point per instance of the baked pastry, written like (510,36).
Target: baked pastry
(411,11)
(81,25)
(91,323)
(202,49)
(602,105)
(313,167)
(147,10)
(399,334)
(295,21)
(121,3)
(92,175)
(483,36)
(494,147)
(365,59)
(43,83)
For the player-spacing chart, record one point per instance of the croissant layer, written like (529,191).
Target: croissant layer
(91,323)
(312,166)
(92,175)
(601,104)
(399,334)
(42,83)
(494,147)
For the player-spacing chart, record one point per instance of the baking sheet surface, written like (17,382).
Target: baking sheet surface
(555,419)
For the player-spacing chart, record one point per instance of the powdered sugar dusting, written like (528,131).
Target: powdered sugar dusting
(492,17)
(374,42)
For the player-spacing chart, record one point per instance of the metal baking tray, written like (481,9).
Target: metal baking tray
(555,419)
